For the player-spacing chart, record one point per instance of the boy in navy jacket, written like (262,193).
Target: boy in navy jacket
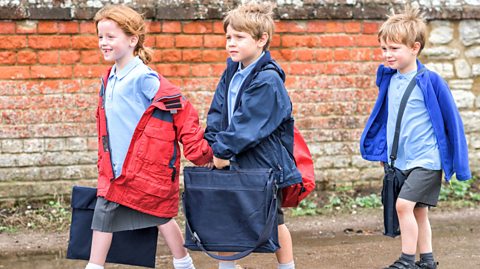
(431,138)
(250,122)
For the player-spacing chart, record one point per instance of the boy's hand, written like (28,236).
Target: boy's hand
(382,164)
(220,163)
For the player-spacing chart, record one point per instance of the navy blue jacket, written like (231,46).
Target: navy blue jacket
(260,134)
(443,112)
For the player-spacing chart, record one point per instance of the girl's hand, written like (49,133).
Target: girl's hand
(220,163)
(382,164)
(208,165)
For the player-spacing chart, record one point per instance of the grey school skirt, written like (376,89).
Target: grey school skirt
(111,217)
(422,186)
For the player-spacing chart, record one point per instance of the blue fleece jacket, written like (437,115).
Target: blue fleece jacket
(443,112)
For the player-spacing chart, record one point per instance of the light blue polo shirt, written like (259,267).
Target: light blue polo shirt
(236,83)
(417,145)
(129,93)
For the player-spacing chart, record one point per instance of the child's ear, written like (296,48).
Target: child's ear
(263,40)
(133,41)
(416,48)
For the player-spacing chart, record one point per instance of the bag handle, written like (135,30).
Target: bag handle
(267,230)
(401,110)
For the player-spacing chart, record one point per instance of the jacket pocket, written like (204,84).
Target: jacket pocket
(156,146)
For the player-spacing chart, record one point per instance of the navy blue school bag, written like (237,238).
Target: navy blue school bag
(230,211)
(135,247)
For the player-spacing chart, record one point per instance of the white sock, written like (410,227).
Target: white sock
(93,266)
(226,265)
(290,265)
(183,263)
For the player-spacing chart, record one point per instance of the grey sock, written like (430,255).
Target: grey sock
(290,265)
(226,265)
(408,258)
(426,257)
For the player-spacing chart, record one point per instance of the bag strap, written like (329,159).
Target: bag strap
(401,110)
(264,236)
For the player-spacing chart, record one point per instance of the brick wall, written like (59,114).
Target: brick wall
(50,68)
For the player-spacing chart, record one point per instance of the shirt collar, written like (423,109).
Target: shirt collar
(129,67)
(407,76)
(249,68)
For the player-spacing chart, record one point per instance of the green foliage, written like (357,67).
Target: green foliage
(459,191)
(370,201)
(305,208)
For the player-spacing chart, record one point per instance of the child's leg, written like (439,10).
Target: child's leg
(100,245)
(408,225)
(174,239)
(285,253)
(424,230)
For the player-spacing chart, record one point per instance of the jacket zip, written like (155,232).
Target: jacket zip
(107,140)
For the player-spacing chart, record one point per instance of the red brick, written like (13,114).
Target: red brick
(90,56)
(305,55)
(68,27)
(218,69)
(316,26)
(323,55)
(69,56)
(26,27)
(51,71)
(157,56)
(89,71)
(367,41)
(149,42)
(201,70)
(87,27)
(48,57)
(49,42)
(275,42)
(283,55)
(342,55)
(12,42)
(188,41)
(198,27)
(218,27)
(341,68)
(371,27)
(214,41)
(361,54)
(214,55)
(171,55)
(290,27)
(199,84)
(171,27)
(85,42)
(154,27)
(26,57)
(192,55)
(334,27)
(336,41)
(352,27)
(173,70)
(14,72)
(47,27)
(377,54)
(7,57)
(7,27)
(306,69)
(164,41)
(300,41)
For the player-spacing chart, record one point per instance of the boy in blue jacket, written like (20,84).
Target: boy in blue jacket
(431,138)
(250,120)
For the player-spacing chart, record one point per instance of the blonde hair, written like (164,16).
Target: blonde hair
(131,23)
(405,28)
(253,18)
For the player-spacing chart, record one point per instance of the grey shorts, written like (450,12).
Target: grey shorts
(422,186)
(111,217)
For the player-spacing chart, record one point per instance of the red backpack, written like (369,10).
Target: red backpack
(293,194)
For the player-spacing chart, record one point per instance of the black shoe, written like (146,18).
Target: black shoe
(401,264)
(426,265)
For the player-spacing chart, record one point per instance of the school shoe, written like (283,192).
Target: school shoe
(426,265)
(401,264)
